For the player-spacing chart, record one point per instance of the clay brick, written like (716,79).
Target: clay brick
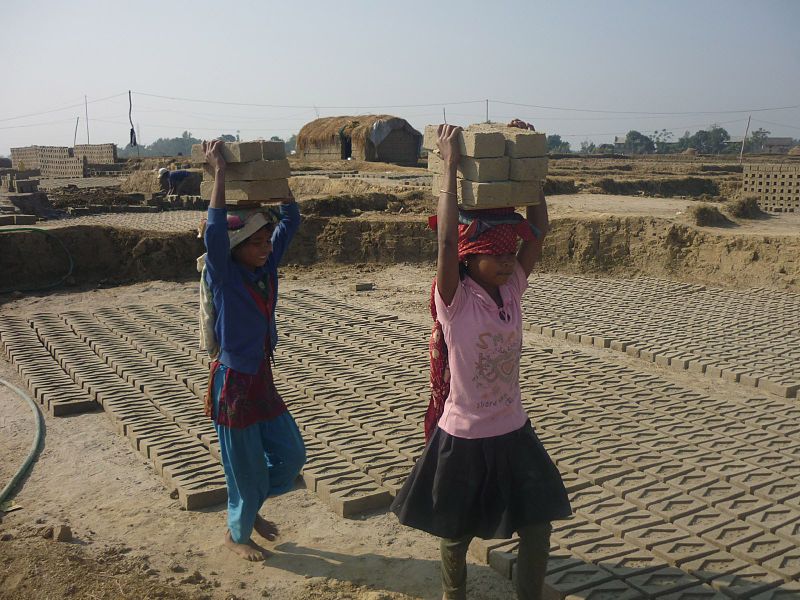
(474,169)
(249,191)
(354,498)
(252,171)
(663,581)
(521,143)
(491,195)
(477,144)
(528,169)
(195,498)
(239,152)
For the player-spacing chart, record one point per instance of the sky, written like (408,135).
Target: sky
(584,69)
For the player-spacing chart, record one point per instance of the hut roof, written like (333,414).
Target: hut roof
(358,128)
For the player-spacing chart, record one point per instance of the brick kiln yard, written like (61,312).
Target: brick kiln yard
(671,408)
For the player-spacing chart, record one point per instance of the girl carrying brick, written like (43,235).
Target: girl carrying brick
(261,446)
(483,472)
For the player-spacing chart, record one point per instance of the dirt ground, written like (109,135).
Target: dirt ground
(133,541)
(130,534)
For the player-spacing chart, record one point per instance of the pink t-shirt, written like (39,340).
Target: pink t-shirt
(484,344)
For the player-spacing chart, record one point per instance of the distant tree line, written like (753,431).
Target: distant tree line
(182,146)
(714,140)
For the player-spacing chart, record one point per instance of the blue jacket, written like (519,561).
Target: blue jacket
(240,327)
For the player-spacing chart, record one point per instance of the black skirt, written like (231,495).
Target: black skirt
(485,487)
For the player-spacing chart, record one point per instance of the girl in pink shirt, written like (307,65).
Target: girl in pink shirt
(484,472)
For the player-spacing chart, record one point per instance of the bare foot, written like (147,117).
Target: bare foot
(249,551)
(266,529)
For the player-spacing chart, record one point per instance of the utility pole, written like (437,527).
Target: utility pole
(744,139)
(75,137)
(86,108)
(444,115)
(487,110)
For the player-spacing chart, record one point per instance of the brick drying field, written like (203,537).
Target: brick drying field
(677,493)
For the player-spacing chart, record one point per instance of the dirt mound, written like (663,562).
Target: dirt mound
(29,259)
(332,589)
(309,186)
(668,187)
(745,207)
(559,185)
(708,215)
(72,196)
(34,568)
(640,246)
(351,205)
(143,181)
(604,244)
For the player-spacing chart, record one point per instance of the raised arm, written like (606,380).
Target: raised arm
(447,276)
(216,233)
(285,229)
(213,152)
(531,251)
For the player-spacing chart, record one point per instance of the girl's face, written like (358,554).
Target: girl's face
(491,269)
(255,250)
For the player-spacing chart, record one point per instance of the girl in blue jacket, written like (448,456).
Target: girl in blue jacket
(261,446)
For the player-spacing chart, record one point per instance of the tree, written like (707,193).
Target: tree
(638,143)
(556,144)
(757,139)
(662,140)
(708,141)
(588,147)
(291,143)
(178,146)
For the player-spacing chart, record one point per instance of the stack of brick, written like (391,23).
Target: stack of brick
(97,154)
(257,172)
(776,185)
(19,182)
(68,167)
(500,166)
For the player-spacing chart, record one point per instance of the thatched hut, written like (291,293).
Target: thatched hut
(379,138)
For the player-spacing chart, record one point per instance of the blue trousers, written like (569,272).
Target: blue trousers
(260,461)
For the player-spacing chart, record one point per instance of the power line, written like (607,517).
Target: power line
(309,106)
(634,112)
(36,124)
(776,124)
(46,112)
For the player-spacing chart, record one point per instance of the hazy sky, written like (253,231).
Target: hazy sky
(701,57)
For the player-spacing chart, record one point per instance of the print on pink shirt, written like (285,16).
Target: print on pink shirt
(497,368)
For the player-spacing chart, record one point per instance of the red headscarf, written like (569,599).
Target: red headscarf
(493,232)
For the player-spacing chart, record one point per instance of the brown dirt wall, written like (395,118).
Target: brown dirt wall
(624,246)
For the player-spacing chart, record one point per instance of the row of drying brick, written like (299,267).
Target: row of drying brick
(347,470)
(603,470)
(675,497)
(773,517)
(79,383)
(179,457)
(749,343)
(341,334)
